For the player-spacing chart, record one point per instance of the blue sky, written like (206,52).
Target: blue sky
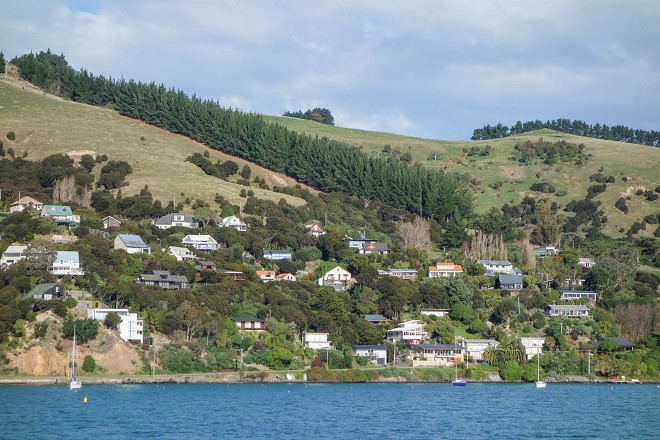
(427,68)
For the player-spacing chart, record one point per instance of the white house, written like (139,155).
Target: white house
(572,295)
(567,311)
(233,222)
(130,328)
(544,251)
(315,230)
(26,202)
(445,270)
(434,312)
(335,276)
(249,323)
(587,263)
(66,263)
(204,243)
(176,219)
(12,254)
(132,244)
(377,354)
(533,345)
(286,276)
(277,254)
(182,254)
(497,266)
(433,355)
(408,332)
(316,341)
(266,275)
(475,347)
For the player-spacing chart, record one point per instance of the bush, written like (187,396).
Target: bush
(11,136)
(40,329)
(511,371)
(621,205)
(89,364)
(362,361)
(71,303)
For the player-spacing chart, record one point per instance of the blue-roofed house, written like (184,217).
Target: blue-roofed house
(66,263)
(62,215)
(377,319)
(377,354)
(132,244)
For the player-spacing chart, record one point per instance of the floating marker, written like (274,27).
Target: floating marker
(85,399)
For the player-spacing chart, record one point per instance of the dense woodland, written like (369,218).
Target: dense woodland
(619,133)
(197,320)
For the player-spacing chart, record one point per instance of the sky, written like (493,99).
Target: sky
(427,68)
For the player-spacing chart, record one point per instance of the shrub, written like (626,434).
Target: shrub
(621,205)
(11,136)
(71,303)
(89,364)
(511,371)
(40,329)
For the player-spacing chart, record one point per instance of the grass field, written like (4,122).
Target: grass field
(640,164)
(46,125)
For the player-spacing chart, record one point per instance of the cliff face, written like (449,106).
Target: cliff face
(49,356)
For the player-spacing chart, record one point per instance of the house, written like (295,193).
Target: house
(623,343)
(334,277)
(356,243)
(60,214)
(176,219)
(24,203)
(12,254)
(287,276)
(233,222)
(475,348)
(204,243)
(510,282)
(572,295)
(377,319)
(377,354)
(130,328)
(275,255)
(445,270)
(497,266)
(433,355)
(533,345)
(232,274)
(182,254)
(404,274)
(66,263)
(110,222)
(44,291)
(408,332)
(163,279)
(316,341)
(205,265)
(132,244)
(374,248)
(546,251)
(434,312)
(587,263)
(266,275)
(247,323)
(567,311)
(315,230)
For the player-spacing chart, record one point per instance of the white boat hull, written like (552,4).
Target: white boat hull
(540,384)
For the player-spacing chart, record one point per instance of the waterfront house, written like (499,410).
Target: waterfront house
(377,354)
(533,345)
(408,332)
(249,323)
(435,355)
(131,327)
(445,270)
(204,242)
(475,348)
(12,254)
(163,279)
(176,219)
(510,282)
(233,222)
(24,203)
(66,263)
(132,244)
(316,341)
(567,311)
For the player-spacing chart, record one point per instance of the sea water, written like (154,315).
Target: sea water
(331,411)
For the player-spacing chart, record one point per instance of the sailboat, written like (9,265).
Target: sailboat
(74,383)
(456,382)
(539,382)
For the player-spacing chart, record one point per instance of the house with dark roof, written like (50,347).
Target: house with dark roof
(110,222)
(176,219)
(510,282)
(374,248)
(132,244)
(44,291)
(163,279)
(377,354)
(377,319)
(623,343)
(567,311)
(248,323)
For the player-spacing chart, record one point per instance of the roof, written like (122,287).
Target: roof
(433,346)
(26,199)
(481,341)
(160,275)
(40,290)
(65,256)
(621,342)
(169,219)
(276,252)
(442,266)
(57,210)
(510,279)
(111,217)
(15,249)
(198,238)
(369,347)
(401,270)
(246,319)
(134,241)
(495,262)
(567,307)
(375,247)
(374,317)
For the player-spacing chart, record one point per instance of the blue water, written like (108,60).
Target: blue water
(332,411)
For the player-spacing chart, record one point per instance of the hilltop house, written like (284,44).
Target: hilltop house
(408,332)
(276,254)
(475,348)
(533,346)
(247,323)
(110,222)
(316,341)
(497,266)
(204,243)
(182,253)
(377,354)
(132,244)
(233,222)
(567,311)
(163,279)
(445,270)
(12,254)
(130,328)
(60,214)
(510,282)
(433,355)
(177,219)
(66,263)
(26,202)
(315,230)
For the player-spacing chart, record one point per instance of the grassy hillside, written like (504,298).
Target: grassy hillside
(46,125)
(640,164)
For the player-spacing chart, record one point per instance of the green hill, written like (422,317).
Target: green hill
(502,180)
